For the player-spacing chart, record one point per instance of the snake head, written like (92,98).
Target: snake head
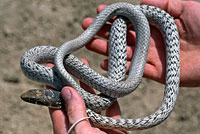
(44,97)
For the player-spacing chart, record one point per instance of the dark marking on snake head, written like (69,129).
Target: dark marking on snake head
(44,97)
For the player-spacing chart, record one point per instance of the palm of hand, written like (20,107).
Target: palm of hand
(188,23)
(186,17)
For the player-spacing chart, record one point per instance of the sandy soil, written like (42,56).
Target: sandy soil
(25,24)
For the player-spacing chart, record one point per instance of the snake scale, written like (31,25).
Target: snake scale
(115,85)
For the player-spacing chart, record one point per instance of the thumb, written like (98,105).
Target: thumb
(75,108)
(173,7)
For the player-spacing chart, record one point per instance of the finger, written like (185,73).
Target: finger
(59,121)
(85,86)
(114,110)
(86,22)
(50,65)
(104,65)
(131,38)
(98,46)
(49,87)
(150,71)
(85,61)
(173,7)
(114,131)
(103,32)
(58,117)
(101,47)
(100,8)
(75,108)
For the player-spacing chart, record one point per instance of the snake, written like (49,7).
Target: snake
(111,89)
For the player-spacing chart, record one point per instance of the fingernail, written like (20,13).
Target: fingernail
(67,94)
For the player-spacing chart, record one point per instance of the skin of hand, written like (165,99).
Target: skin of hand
(75,109)
(186,17)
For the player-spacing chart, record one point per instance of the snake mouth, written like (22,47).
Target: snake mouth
(43,97)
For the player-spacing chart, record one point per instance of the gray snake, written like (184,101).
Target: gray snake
(110,89)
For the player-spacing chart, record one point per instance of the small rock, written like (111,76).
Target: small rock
(11,79)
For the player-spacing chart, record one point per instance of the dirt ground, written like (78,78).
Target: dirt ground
(28,23)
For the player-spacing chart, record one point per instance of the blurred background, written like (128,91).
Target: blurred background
(28,23)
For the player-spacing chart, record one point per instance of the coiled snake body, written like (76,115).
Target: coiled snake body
(114,86)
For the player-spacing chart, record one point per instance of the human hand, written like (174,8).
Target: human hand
(75,109)
(187,20)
